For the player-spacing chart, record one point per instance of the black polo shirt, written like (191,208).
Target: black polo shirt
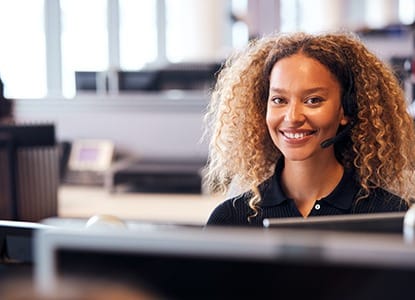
(276,204)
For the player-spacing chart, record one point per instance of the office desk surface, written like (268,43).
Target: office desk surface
(84,202)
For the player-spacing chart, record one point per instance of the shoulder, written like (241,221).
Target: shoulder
(380,200)
(233,211)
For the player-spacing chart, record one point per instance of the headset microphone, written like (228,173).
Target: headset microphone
(327,143)
(349,104)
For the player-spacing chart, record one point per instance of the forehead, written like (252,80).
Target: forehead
(301,69)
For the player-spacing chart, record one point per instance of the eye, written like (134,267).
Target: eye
(314,100)
(278,100)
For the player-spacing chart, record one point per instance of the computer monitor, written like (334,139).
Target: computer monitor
(144,80)
(29,172)
(188,76)
(91,81)
(16,241)
(390,222)
(86,81)
(229,263)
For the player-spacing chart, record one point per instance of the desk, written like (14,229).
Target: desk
(84,202)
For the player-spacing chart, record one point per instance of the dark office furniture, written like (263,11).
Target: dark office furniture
(29,172)
(157,175)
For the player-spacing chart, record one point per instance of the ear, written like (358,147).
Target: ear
(344,120)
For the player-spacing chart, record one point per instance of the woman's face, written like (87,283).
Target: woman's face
(304,107)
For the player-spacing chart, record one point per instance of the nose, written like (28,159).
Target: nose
(294,113)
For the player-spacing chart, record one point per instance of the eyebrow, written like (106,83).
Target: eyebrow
(310,90)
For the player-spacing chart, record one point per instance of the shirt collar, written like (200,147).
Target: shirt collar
(341,197)
(272,193)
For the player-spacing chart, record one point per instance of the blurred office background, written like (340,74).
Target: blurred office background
(44,42)
(137,74)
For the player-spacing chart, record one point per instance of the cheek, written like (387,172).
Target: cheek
(332,117)
(328,126)
(273,120)
(270,120)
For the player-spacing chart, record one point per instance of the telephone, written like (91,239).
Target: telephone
(91,155)
(87,160)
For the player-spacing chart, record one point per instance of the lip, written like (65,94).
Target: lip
(297,137)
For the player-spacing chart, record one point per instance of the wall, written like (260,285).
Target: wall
(166,125)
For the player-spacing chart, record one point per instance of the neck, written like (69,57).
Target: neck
(308,181)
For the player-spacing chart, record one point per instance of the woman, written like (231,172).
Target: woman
(307,125)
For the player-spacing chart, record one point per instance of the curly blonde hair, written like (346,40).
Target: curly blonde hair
(380,145)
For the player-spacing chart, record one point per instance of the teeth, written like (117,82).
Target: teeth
(295,135)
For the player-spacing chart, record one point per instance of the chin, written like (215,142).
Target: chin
(300,154)
(297,157)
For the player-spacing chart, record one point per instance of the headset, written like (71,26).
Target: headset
(349,104)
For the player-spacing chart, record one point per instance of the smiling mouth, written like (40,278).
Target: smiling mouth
(297,135)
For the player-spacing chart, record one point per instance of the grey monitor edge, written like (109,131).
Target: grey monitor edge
(223,243)
(388,222)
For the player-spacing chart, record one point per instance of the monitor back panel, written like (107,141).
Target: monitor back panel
(232,264)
